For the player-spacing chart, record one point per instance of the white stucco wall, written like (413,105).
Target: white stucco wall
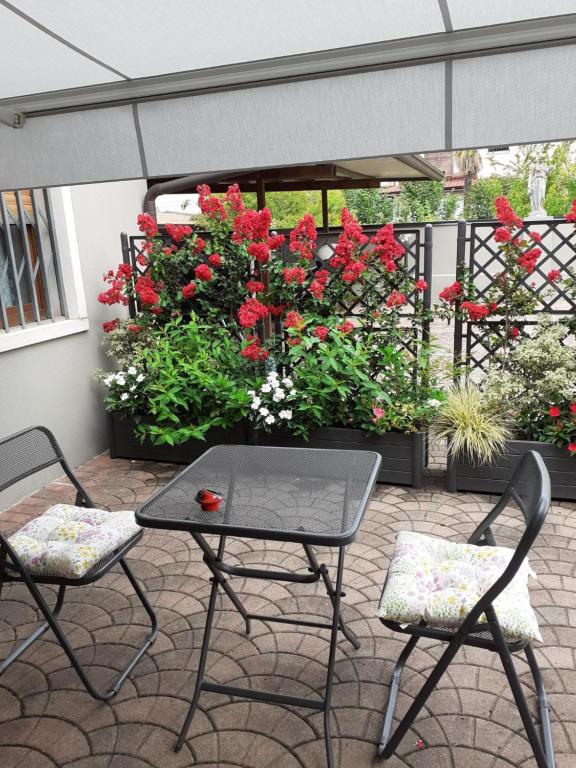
(52,382)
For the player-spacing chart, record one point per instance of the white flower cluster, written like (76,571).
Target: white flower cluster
(266,402)
(124,380)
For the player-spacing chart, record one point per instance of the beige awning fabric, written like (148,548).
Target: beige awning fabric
(106,90)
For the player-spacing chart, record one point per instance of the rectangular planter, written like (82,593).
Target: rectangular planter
(403,456)
(462,475)
(124,444)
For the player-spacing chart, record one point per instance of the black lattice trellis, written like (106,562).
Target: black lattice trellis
(480,255)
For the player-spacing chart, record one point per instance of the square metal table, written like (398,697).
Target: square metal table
(303,495)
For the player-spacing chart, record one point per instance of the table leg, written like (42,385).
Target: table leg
(332,592)
(201,665)
(336,627)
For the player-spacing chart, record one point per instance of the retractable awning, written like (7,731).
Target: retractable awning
(107,90)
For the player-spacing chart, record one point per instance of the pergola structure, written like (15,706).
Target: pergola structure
(342,174)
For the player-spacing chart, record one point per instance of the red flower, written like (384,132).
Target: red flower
(571,215)
(303,237)
(234,198)
(536,236)
(203,272)
(147,224)
(321,331)
(572,447)
(275,241)
(259,251)
(294,320)
(387,248)
(253,351)
(178,231)
(351,240)
(396,299)
(199,245)
(215,259)
(492,307)
(554,275)
(528,259)
(254,286)
(502,235)
(294,275)
(572,407)
(554,411)
(352,271)
(451,292)
(142,260)
(346,327)
(146,290)
(169,251)
(276,311)
(420,285)
(134,328)
(506,214)
(110,325)
(189,291)
(513,333)
(250,312)
(251,225)
(293,341)
(211,206)
(475,311)
(316,288)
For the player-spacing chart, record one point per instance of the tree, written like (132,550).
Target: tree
(424,201)
(370,206)
(469,164)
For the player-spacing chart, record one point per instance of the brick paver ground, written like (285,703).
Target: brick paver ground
(46,718)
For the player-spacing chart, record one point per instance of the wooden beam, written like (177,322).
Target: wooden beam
(260,193)
(325,222)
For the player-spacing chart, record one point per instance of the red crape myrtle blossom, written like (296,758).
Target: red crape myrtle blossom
(276,311)
(254,286)
(396,300)
(514,332)
(147,224)
(189,291)
(178,231)
(475,311)
(321,332)
(134,328)
(303,237)
(536,236)
(528,259)
(351,240)
(571,447)
(502,235)
(199,245)
(110,325)
(421,285)
(118,282)
(451,293)
(346,327)
(215,260)
(210,205)
(294,320)
(294,275)
(573,408)
(352,271)
(318,284)
(233,197)
(506,215)
(253,351)
(386,248)
(554,411)
(251,226)
(250,312)
(146,290)
(168,251)
(571,215)
(203,272)
(554,275)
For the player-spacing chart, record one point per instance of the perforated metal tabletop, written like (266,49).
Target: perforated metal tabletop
(315,496)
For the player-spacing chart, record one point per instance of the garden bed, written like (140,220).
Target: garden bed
(462,475)
(403,455)
(124,444)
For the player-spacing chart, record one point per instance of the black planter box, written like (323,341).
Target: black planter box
(403,456)
(124,444)
(462,475)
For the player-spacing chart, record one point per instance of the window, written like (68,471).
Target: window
(30,277)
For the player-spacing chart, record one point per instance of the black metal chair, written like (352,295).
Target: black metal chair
(24,454)
(530,489)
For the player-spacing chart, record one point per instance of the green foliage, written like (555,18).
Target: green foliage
(474,427)
(424,201)
(287,208)
(370,206)
(479,203)
(195,380)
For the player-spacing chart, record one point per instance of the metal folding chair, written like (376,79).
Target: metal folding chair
(530,489)
(24,454)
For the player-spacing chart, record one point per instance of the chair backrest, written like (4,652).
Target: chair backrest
(530,489)
(30,451)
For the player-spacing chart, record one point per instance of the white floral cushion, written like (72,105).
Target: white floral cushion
(439,582)
(67,541)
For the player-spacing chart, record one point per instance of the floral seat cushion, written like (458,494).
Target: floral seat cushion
(67,541)
(439,582)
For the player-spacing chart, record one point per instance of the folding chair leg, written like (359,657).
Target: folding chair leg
(52,622)
(393,695)
(386,749)
(543,706)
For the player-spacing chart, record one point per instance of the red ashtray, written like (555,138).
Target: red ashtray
(208,500)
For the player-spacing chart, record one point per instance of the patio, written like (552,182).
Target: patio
(47,719)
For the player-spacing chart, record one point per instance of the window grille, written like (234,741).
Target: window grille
(30,276)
